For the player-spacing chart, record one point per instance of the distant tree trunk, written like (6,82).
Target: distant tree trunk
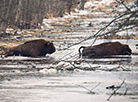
(69,5)
(26,14)
(82,4)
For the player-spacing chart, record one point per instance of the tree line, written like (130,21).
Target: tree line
(26,14)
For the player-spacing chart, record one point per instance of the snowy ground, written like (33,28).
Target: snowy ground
(24,79)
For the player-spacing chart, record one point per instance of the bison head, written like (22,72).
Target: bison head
(126,50)
(48,48)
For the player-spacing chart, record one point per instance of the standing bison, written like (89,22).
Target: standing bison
(105,49)
(33,48)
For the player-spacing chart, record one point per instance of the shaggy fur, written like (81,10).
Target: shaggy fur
(105,49)
(33,48)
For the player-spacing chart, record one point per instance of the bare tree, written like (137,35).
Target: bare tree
(26,14)
(128,19)
(124,21)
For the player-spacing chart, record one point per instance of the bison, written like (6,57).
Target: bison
(33,48)
(105,49)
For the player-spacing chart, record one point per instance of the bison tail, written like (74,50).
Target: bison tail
(80,50)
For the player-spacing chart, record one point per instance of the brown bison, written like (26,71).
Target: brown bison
(33,48)
(105,49)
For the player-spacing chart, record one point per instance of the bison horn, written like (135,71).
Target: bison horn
(47,43)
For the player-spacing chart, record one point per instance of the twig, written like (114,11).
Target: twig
(116,90)
(126,91)
(97,34)
(122,2)
(90,90)
(85,88)
(95,86)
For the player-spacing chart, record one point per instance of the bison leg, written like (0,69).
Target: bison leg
(17,52)
(34,53)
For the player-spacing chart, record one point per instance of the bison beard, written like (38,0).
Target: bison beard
(105,49)
(33,48)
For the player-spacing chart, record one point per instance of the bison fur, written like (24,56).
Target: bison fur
(33,48)
(105,49)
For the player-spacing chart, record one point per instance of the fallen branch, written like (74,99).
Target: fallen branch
(90,90)
(114,92)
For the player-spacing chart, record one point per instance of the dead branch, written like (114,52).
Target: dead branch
(114,92)
(123,21)
(90,90)
(122,2)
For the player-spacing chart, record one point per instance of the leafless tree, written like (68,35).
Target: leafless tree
(26,14)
